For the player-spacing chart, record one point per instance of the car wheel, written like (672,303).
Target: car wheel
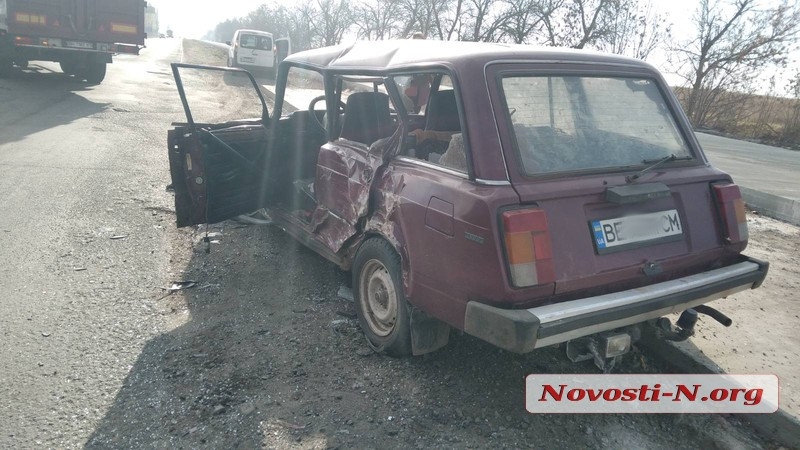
(380,300)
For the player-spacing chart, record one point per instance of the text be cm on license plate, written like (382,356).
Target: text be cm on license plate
(79,44)
(624,232)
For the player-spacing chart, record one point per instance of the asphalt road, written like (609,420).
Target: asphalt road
(84,223)
(761,167)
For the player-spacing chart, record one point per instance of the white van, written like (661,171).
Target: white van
(253,49)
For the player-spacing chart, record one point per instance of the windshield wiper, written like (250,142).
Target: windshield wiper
(656,163)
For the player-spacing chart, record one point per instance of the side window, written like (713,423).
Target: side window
(434,119)
(365,113)
(249,41)
(303,86)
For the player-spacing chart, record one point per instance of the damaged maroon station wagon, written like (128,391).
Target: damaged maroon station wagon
(526,196)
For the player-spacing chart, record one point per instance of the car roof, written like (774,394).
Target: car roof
(394,54)
(240,31)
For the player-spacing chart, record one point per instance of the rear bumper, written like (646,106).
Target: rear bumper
(523,330)
(41,53)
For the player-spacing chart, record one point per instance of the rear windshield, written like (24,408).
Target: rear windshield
(255,42)
(571,123)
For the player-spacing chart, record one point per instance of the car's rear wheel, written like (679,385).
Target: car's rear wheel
(380,300)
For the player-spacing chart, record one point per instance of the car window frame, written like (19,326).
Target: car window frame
(403,114)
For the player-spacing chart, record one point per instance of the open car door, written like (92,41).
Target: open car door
(283,47)
(218,158)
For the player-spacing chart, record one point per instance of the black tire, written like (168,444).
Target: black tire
(380,299)
(95,73)
(69,68)
(5,67)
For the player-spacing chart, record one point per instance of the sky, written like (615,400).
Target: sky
(194,18)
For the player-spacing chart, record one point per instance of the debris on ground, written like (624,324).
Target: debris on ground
(345,293)
(181,285)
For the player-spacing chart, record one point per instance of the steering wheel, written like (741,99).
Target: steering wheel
(314,102)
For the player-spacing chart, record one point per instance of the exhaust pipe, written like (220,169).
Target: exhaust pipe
(685,324)
(714,314)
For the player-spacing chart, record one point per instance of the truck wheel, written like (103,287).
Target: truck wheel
(380,300)
(95,72)
(5,67)
(69,68)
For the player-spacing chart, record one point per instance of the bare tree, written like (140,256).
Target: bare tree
(524,17)
(735,39)
(328,20)
(485,20)
(379,19)
(578,23)
(636,30)
(437,19)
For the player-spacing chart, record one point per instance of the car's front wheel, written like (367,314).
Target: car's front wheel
(380,300)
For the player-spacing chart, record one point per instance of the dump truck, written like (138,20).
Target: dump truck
(81,35)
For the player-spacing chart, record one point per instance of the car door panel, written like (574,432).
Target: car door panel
(218,171)
(342,187)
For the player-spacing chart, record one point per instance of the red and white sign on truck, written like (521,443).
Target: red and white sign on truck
(81,35)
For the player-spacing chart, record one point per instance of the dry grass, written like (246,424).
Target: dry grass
(767,119)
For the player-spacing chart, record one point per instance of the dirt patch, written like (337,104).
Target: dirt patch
(763,337)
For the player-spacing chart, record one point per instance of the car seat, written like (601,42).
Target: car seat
(367,117)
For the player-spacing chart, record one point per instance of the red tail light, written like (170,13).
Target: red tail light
(21,40)
(731,211)
(527,240)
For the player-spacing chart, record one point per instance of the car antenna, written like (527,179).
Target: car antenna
(632,178)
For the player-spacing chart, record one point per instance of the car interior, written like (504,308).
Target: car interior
(365,115)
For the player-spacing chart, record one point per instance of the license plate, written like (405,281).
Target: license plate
(78,44)
(247,59)
(635,231)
